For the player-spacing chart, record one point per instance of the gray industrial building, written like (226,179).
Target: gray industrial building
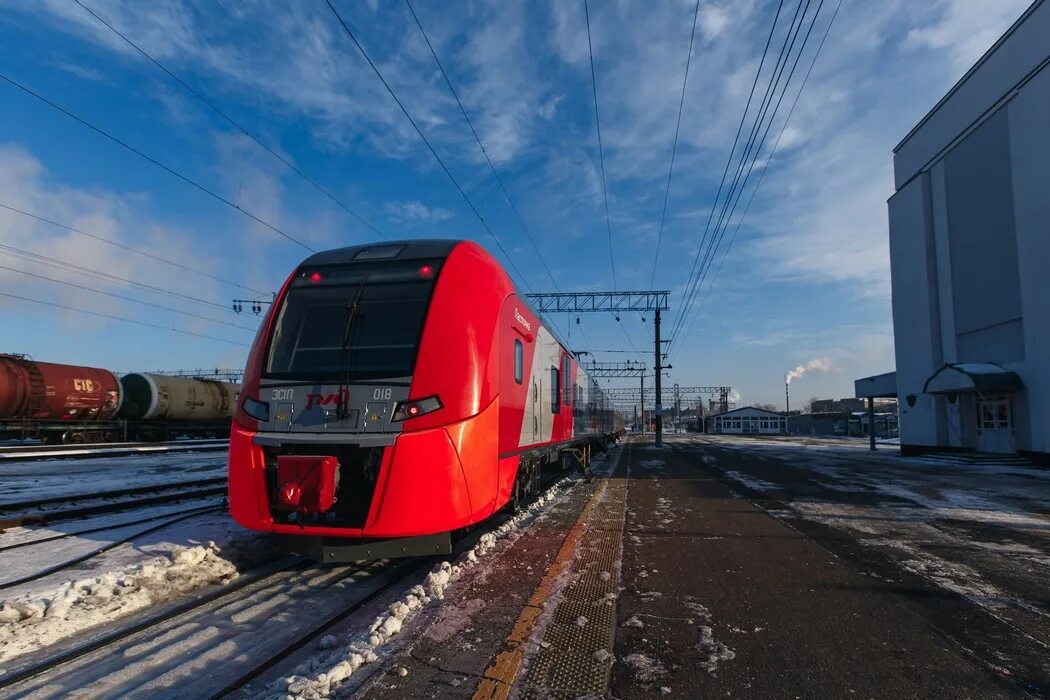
(970,256)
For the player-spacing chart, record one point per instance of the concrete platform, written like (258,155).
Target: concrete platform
(664,579)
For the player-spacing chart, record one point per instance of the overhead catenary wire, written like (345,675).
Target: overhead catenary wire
(763,172)
(729,159)
(130,249)
(477,139)
(120,318)
(754,147)
(379,74)
(168,169)
(126,298)
(705,248)
(58,263)
(674,147)
(215,108)
(601,150)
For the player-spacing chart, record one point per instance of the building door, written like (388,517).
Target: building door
(995,429)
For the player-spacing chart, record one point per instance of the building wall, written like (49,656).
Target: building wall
(745,422)
(970,238)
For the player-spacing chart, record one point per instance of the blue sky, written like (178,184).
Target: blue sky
(807,277)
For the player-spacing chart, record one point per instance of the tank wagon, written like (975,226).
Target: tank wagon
(398,392)
(160,397)
(58,403)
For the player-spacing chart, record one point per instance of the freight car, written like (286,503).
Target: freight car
(398,392)
(57,403)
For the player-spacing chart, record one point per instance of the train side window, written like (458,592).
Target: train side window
(566,372)
(555,391)
(519,361)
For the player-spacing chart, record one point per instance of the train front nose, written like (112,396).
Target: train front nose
(413,486)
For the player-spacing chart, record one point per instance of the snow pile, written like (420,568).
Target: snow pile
(35,620)
(322,674)
(645,670)
(750,481)
(632,621)
(712,651)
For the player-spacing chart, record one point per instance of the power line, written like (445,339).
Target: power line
(477,138)
(156,162)
(72,267)
(674,146)
(120,318)
(137,251)
(752,150)
(379,74)
(211,105)
(765,169)
(601,151)
(745,151)
(124,298)
(729,159)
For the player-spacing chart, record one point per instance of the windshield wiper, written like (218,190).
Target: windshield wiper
(342,402)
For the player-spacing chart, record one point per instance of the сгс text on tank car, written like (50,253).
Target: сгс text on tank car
(399,392)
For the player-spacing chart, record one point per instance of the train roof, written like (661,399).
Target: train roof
(386,250)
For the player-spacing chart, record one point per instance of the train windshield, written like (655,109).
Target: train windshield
(354,323)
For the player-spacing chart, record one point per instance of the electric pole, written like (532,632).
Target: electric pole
(641,405)
(658,424)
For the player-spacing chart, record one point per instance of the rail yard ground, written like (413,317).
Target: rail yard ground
(712,566)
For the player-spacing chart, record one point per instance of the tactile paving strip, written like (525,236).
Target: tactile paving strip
(576,651)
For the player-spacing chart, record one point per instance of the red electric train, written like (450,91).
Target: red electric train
(398,392)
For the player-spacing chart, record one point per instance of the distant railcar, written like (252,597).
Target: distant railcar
(58,403)
(46,391)
(161,397)
(398,392)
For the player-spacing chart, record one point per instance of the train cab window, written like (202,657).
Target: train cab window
(362,321)
(566,371)
(519,361)
(555,391)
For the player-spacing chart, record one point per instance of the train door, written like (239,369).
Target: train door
(536,401)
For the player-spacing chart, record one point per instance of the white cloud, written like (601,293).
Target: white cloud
(416,212)
(713,20)
(26,185)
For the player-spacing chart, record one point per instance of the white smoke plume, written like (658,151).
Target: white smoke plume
(817,364)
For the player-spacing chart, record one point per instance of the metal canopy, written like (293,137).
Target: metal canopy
(972,376)
(590,302)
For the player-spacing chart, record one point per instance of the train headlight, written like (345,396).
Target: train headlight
(259,410)
(414,409)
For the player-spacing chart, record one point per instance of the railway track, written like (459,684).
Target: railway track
(217,642)
(234,631)
(167,519)
(28,453)
(53,509)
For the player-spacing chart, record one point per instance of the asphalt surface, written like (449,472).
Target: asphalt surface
(733,600)
(758,569)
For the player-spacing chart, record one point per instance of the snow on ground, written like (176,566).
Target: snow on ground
(327,671)
(24,481)
(980,530)
(31,559)
(158,567)
(750,481)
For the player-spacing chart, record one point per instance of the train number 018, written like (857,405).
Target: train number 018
(382,394)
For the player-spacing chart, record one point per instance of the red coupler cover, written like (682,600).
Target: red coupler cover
(307,483)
